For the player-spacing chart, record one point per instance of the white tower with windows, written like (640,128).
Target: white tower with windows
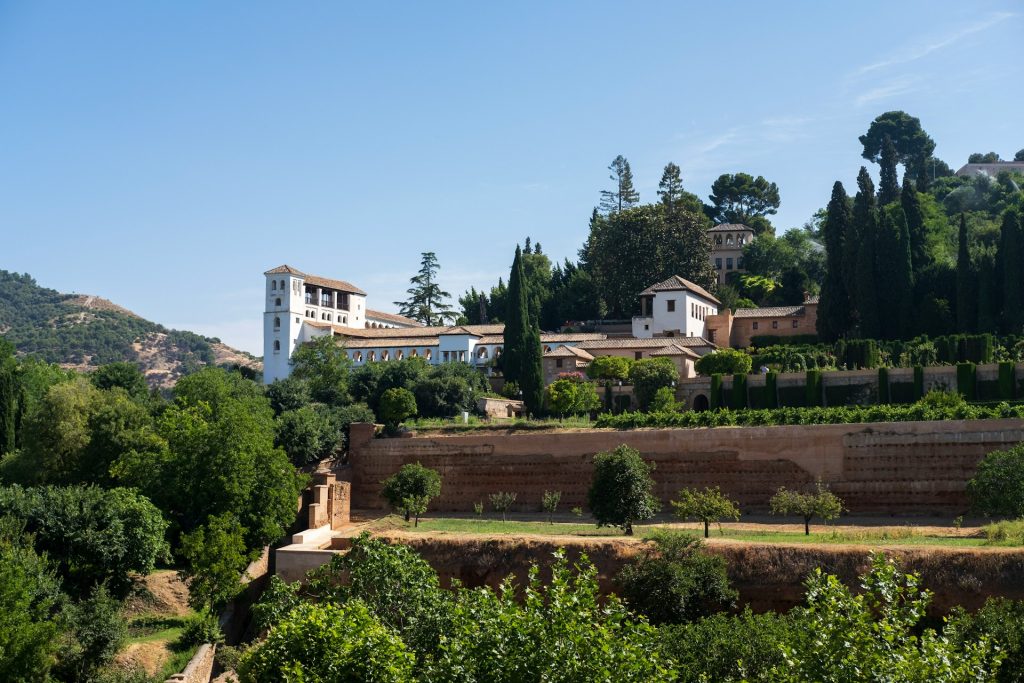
(282,321)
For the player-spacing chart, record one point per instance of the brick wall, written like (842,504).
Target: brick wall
(901,468)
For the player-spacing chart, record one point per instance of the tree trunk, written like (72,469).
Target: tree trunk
(417,523)
(629,528)
(706,523)
(406,515)
(807,526)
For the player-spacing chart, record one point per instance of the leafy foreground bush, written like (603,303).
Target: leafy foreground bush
(997,487)
(554,632)
(809,416)
(327,631)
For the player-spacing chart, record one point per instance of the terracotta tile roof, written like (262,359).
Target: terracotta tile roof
(811,300)
(730,227)
(651,343)
(771,312)
(392,317)
(675,284)
(333,284)
(569,352)
(284,270)
(391,342)
(674,350)
(317,280)
(384,333)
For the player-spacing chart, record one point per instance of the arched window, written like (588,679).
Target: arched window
(277,346)
(385,354)
(728,239)
(399,354)
(428,354)
(282,285)
(482,353)
(273,285)
(414,353)
(372,356)
(277,322)
(277,301)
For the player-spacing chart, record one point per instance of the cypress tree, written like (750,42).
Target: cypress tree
(893,272)
(988,292)
(8,409)
(1011,254)
(865,222)
(911,204)
(888,182)
(834,316)
(522,354)
(965,312)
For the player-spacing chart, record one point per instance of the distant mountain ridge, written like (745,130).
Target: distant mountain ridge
(82,332)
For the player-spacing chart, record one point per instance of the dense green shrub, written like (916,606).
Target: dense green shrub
(396,404)
(738,395)
(723,362)
(883,386)
(997,487)
(649,375)
(1001,620)
(411,488)
(572,397)
(771,389)
(767,340)
(858,353)
(813,386)
(1007,369)
(809,416)
(716,392)
(966,378)
(676,581)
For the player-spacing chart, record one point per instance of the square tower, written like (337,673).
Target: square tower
(282,320)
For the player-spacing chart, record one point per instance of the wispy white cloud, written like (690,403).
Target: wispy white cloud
(893,88)
(922,50)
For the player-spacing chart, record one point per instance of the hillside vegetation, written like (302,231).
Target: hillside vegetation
(83,332)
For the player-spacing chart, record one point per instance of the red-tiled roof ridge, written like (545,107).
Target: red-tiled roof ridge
(393,317)
(341,285)
(730,227)
(285,269)
(676,283)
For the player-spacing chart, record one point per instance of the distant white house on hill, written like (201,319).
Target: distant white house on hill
(991,168)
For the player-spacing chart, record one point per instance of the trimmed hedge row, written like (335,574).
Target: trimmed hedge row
(809,416)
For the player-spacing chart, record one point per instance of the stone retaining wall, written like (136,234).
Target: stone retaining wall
(910,468)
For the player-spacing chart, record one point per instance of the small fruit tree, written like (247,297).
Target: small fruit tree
(501,502)
(709,505)
(410,489)
(620,493)
(396,404)
(820,503)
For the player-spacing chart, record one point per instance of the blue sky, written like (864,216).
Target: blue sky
(163,155)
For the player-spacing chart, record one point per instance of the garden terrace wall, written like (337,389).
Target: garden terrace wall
(912,468)
(768,577)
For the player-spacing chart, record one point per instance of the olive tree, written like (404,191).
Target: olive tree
(709,505)
(620,492)
(820,503)
(411,488)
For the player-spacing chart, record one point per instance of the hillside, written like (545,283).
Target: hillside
(79,331)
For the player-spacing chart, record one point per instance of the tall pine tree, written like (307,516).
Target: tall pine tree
(521,359)
(427,302)
(911,204)
(865,223)
(966,314)
(888,181)
(624,195)
(1011,255)
(834,312)
(989,297)
(670,189)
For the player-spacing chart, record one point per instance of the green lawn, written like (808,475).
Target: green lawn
(819,533)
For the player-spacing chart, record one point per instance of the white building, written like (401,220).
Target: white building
(674,308)
(300,307)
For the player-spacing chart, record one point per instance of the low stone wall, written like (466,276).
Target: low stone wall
(913,468)
(199,668)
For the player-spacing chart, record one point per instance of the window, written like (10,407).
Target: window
(277,301)
(741,240)
(277,323)
(739,262)
(775,324)
(796,324)
(728,239)
(671,305)
(718,264)
(558,362)
(277,346)
(755,325)
(728,263)
(718,240)
(296,319)
(637,355)
(273,284)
